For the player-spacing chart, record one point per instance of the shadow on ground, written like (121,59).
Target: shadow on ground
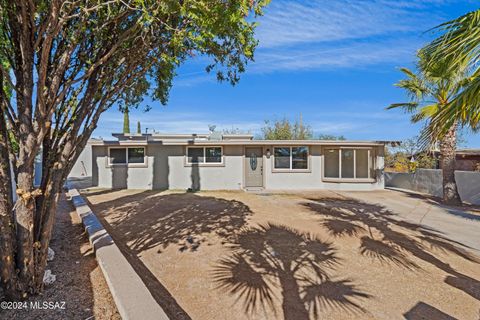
(464,210)
(149,220)
(270,257)
(387,239)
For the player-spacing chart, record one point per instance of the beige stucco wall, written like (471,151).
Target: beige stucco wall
(83,166)
(166,169)
(291,180)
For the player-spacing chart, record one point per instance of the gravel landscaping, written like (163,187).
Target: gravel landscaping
(237,255)
(80,290)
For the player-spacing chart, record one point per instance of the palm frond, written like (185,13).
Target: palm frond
(408,107)
(425,112)
(414,85)
(459,42)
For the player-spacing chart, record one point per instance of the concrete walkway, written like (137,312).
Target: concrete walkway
(458,224)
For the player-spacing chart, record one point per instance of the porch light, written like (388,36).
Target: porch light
(268,153)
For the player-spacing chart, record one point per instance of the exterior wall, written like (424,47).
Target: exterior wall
(313,179)
(429,181)
(467,163)
(228,176)
(83,166)
(166,169)
(120,176)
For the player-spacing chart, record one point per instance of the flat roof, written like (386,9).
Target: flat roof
(235,142)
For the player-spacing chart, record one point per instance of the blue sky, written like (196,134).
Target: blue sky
(333,61)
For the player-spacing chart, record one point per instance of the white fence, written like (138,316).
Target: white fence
(430,181)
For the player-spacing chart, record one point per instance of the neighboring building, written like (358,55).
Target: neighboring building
(466,159)
(230,162)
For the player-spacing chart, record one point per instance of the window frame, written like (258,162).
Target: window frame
(291,169)
(134,164)
(370,166)
(204,163)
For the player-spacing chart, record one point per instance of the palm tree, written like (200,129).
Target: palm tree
(459,44)
(430,90)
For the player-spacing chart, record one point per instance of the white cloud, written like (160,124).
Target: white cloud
(289,22)
(331,34)
(350,55)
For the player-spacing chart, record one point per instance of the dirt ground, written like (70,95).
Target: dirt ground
(236,255)
(80,283)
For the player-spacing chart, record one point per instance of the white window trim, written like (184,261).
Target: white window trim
(371,165)
(143,164)
(204,163)
(291,160)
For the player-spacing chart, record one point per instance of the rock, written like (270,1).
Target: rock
(48,277)
(51,254)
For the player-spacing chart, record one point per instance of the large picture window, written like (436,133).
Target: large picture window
(290,158)
(130,155)
(204,155)
(348,163)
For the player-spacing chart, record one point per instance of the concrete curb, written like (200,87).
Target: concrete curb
(131,296)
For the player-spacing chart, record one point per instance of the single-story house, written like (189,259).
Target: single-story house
(230,162)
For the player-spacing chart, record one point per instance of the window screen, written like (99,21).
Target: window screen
(347,163)
(332,164)
(361,163)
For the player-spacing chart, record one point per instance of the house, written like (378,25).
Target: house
(230,162)
(465,159)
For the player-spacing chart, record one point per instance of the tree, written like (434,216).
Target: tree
(69,61)
(139,128)
(430,90)
(234,130)
(409,156)
(285,130)
(330,137)
(126,121)
(459,45)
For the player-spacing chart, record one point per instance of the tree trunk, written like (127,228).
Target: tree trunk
(7,226)
(448,146)
(292,305)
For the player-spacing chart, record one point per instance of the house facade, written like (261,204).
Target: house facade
(230,162)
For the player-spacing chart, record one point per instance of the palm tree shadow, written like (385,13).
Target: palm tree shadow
(274,263)
(387,239)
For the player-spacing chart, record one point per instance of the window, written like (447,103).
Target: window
(348,163)
(118,156)
(290,158)
(213,155)
(282,158)
(134,155)
(332,165)
(204,155)
(361,163)
(195,155)
(299,158)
